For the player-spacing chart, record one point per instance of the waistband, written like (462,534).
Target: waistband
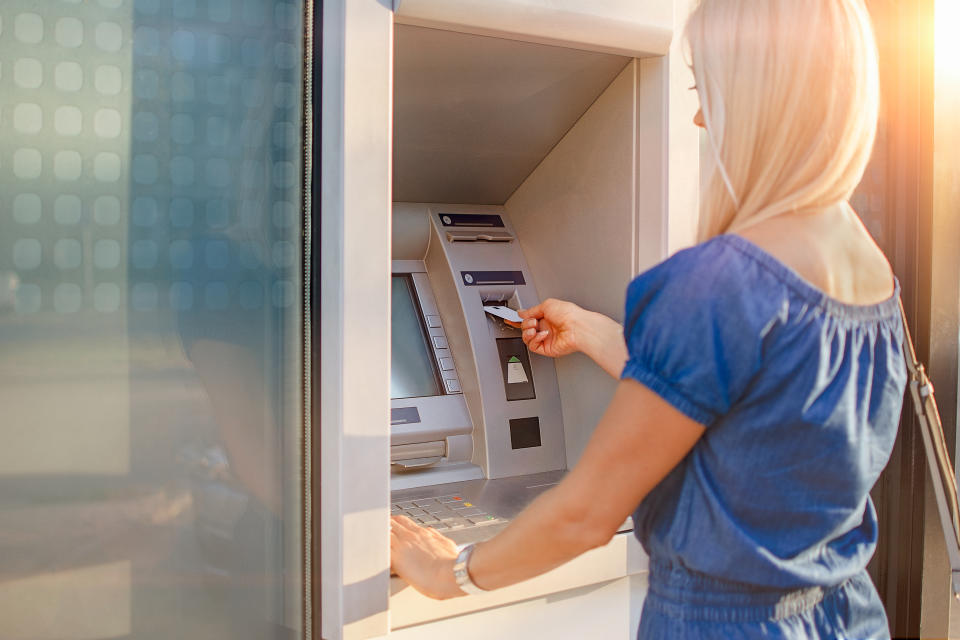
(678,592)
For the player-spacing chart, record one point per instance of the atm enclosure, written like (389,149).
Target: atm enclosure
(482,153)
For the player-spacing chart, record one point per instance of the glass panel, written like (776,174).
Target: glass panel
(150,325)
(412,373)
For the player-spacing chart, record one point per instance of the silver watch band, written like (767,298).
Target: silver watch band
(462,574)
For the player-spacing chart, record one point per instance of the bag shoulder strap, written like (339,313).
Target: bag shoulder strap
(942,475)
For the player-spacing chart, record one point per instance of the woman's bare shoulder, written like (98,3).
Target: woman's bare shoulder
(831,250)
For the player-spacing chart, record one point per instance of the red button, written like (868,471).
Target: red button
(457,498)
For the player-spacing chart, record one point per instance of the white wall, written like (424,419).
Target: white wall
(355,300)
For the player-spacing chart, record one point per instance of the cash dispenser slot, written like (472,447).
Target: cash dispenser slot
(416,455)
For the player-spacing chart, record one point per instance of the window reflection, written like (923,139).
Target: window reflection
(149,318)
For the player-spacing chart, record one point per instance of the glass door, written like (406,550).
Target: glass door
(151,319)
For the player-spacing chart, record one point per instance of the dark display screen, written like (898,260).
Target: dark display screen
(412,370)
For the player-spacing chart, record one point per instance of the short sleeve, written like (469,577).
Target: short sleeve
(694,332)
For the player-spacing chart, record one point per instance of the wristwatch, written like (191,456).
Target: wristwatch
(461,572)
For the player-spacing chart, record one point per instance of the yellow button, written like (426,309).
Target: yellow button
(467,504)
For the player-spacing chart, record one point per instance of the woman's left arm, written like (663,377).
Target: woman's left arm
(639,440)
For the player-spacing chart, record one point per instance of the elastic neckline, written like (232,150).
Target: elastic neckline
(881,310)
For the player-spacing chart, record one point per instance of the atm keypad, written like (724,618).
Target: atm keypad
(446,513)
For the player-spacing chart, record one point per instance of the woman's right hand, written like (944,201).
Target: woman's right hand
(556,328)
(553,328)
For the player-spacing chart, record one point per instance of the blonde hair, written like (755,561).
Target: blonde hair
(790,96)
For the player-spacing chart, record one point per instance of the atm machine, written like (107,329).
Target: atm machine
(477,158)
(476,425)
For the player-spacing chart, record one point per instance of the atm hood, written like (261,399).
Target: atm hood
(474,115)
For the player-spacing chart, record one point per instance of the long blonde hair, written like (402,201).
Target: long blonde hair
(790,96)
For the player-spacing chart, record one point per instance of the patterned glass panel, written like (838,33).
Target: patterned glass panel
(150,318)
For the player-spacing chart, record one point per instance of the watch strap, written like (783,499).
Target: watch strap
(461,571)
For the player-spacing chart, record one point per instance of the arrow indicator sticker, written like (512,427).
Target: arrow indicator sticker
(515,372)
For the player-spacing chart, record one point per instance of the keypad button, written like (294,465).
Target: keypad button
(453,386)
(445,513)
(440,342)
(446,364)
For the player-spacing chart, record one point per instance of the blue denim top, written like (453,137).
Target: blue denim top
(800,395)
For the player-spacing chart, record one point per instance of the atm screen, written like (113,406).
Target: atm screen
(412,373)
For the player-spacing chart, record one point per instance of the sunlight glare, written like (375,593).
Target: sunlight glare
(947,37)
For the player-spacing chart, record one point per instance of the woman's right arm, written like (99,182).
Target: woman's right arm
(556,328)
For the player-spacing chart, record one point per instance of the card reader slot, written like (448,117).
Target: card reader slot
(479,236)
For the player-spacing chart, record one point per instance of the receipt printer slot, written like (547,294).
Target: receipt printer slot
(515,365)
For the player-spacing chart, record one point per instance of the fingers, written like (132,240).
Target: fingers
(530,326)
(404,522)
(536,342)
(404,527)
(528,335)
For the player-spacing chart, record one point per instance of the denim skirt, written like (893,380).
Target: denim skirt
(683,605)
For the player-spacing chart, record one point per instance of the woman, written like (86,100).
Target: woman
(761,370)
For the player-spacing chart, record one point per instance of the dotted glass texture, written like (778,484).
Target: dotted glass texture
(68,76)
(68,120)
(150,178)
(27,118)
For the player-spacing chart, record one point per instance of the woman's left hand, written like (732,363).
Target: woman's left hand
(424,558)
